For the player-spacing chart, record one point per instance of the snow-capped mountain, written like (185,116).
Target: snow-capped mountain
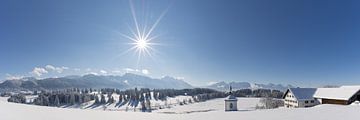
(125,81)
(224,86)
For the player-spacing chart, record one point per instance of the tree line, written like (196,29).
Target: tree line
(258,93)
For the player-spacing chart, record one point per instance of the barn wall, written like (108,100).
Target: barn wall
(333,101)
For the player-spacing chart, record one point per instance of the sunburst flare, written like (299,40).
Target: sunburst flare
(141,36)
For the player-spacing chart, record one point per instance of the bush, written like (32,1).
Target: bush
(269,103)
(18,98)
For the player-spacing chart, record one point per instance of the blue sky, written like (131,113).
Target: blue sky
(298,42)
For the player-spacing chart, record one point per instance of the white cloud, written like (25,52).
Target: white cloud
(211,83)
(13,77)
(92,73)
(64,68)
(56,69)
(180,78)
(131,70)
(38,71)
(145,71)
(77,69)
(126,81)
(127,70)
(116,71)
(50,67)
(103,72)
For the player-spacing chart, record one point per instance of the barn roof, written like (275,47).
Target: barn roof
(341,93)
(302,93)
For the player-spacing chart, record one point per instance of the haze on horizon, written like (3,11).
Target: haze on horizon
(302,43)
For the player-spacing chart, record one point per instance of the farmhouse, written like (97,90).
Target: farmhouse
(308,97)
(343,95)
(300,97)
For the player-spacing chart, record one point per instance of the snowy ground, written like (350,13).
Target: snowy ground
(244,104)
(13,111)
(170,102)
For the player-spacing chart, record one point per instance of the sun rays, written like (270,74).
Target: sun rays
(142,35)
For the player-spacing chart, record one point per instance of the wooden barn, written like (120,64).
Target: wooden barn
(343,95)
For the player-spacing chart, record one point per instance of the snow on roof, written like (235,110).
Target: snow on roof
(303,93)
(351,86)
(231,97)
(341,93)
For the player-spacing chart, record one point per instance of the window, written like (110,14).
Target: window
(306,101)
(231,105)
(312,101)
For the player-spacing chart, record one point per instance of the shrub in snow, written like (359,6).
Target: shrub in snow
(269,103)
(19,98)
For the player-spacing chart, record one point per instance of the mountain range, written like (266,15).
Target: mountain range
(128,80)
(224,86)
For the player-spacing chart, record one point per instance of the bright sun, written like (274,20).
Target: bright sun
(142,35)
(142,44)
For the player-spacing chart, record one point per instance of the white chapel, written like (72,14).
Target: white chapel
(231,102)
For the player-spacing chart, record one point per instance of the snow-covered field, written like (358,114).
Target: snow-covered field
(170,102)
(244,104)
(13,111)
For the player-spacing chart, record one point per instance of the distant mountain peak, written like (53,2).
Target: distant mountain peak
(24,78)
(224,86)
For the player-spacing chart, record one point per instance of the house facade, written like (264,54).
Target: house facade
(300,97)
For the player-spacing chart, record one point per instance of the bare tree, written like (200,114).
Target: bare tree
(269,103)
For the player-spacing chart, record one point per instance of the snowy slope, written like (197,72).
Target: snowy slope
(171,101)
(12,111)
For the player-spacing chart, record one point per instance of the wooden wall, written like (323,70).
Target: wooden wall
(333,101)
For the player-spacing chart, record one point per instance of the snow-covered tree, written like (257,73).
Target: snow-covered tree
(57,101)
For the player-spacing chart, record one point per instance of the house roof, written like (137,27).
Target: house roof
(341,93)
(302,93)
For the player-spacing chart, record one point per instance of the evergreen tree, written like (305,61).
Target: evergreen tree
(143,107)
(111,100)
(120,98)
(72,99)
(148,105)
(57,101)
(102,101)
(97,101)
